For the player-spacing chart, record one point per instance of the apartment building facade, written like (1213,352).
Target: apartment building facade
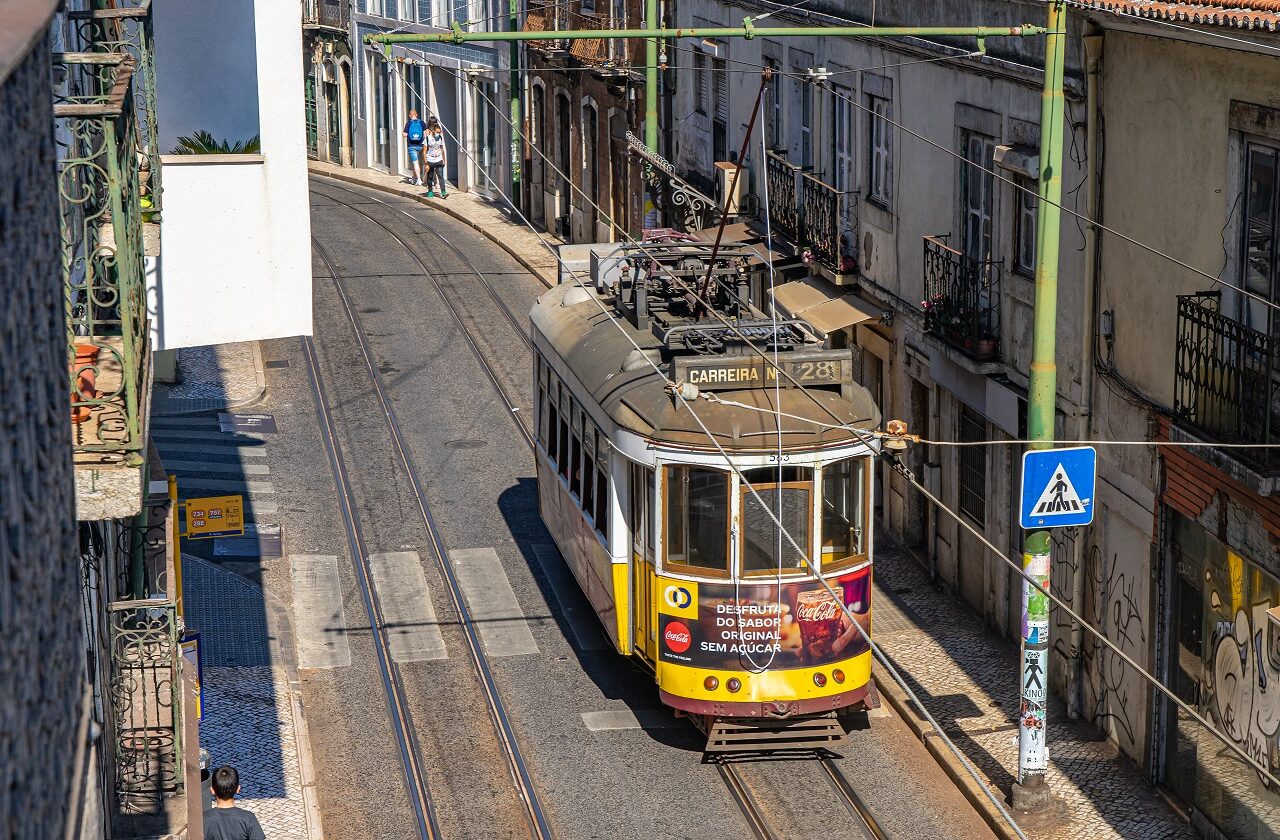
(584,104)
(1186,105)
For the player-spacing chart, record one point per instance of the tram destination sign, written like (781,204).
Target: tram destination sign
(736,373)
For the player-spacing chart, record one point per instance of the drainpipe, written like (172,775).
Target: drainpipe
(1093,59)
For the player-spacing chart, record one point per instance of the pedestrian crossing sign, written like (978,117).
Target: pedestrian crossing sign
(1058,487)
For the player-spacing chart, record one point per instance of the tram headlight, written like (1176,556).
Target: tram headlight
(819,679)
(838,676)
(711,683)
(734,685)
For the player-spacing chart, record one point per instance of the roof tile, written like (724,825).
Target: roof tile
(1242,14)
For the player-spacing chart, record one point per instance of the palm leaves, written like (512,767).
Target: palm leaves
(204,143)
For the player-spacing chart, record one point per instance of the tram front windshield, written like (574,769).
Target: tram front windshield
(787,494)
(698,518)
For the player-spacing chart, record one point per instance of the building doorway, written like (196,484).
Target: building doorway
(537,148)
(381,117)
(333,120)
(486,139)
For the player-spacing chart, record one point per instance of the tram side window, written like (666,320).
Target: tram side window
(542,400)
(602,484)
(844,511)
(588,466)
(574,461)
(641,511)
(562,453)
(786,495)
(697,519)
(553,419)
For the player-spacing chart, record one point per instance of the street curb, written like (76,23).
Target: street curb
(944,757)
(491,236)
(260,379)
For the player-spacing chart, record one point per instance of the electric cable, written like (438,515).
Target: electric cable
(869,441)
(885,661)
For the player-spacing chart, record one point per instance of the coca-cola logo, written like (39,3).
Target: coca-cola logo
(677,637)
(809,610)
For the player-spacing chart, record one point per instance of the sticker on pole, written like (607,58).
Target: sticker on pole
(1058,487)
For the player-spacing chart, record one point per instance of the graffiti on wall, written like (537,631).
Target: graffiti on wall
(1243,674)
(1117,694)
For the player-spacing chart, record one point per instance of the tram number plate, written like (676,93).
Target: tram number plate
(746,372)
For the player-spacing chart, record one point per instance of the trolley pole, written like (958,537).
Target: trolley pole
(1031,792)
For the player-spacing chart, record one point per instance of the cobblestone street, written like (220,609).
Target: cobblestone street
(966,677)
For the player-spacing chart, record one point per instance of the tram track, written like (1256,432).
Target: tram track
(537,823)
(740,792)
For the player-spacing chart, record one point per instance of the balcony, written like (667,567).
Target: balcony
(829,224)
(781,179)
(962,300)
(103,275)
(547,17)
(1227,387)
(126,30)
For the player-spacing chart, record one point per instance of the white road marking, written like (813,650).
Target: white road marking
(583,622)
(217,466)
(162,423)
(497,614)
(230,448)
(408,614)
(617,719)
(319,624)
(228,486)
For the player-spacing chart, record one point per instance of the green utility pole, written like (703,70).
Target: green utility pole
(513,23)
(651,85)
(1032,789)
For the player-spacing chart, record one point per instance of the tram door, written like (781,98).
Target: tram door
(642,562)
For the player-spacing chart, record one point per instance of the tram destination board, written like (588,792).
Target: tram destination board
(735,373)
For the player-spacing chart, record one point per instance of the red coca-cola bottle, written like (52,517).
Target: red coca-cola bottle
(818,615)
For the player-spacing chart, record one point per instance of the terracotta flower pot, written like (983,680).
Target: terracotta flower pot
(86,380)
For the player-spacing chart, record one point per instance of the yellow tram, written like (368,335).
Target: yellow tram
(684,568)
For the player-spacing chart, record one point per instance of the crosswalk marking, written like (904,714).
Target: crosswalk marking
(217,467)
(492,601)
(162,436)
(185,449)
(319,624)
(228,486)
(158,423)
(408,614)
(582,621)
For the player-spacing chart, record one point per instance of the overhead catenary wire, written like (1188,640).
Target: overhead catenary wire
(869,440)
(804,77)
(881,657)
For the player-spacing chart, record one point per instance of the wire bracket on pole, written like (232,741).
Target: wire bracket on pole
(982,44)
(457,32)
(748,28)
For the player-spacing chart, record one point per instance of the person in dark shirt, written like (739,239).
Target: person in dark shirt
(224,821)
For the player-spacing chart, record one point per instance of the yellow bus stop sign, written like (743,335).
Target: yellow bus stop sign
(215,516)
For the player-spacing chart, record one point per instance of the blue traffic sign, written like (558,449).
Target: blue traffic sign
(1058,487)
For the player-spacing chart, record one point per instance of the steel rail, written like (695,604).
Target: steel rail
(852,801)
(733,781)
(746,802)
(538,826)
(401,718)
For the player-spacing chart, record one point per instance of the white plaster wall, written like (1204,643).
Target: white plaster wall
(235,263)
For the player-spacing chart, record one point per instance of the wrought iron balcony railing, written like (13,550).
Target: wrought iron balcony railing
(1227,379)
(547,17)
(829,223)
(782,181)
(125,29)
(102,252)
(962,299)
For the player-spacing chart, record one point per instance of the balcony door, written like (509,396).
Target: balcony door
(1258,248)
(842,171)
(978,195)
(537,148)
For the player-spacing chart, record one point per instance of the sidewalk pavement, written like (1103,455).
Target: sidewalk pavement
(213,377)
(492,218)
(966,677)
(252,712)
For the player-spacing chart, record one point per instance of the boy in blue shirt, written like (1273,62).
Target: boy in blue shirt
(415,131)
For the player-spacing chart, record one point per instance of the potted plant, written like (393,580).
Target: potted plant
(85,375)
(986,348)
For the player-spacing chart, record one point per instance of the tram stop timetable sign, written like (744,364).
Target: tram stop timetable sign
(215,516)
(1058,487)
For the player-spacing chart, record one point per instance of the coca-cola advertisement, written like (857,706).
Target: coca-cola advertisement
(761,624)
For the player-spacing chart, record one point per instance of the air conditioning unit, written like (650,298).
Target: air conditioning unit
(724,177)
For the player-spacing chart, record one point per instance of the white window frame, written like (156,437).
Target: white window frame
(1024,226)
(804,124)
(880,150)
